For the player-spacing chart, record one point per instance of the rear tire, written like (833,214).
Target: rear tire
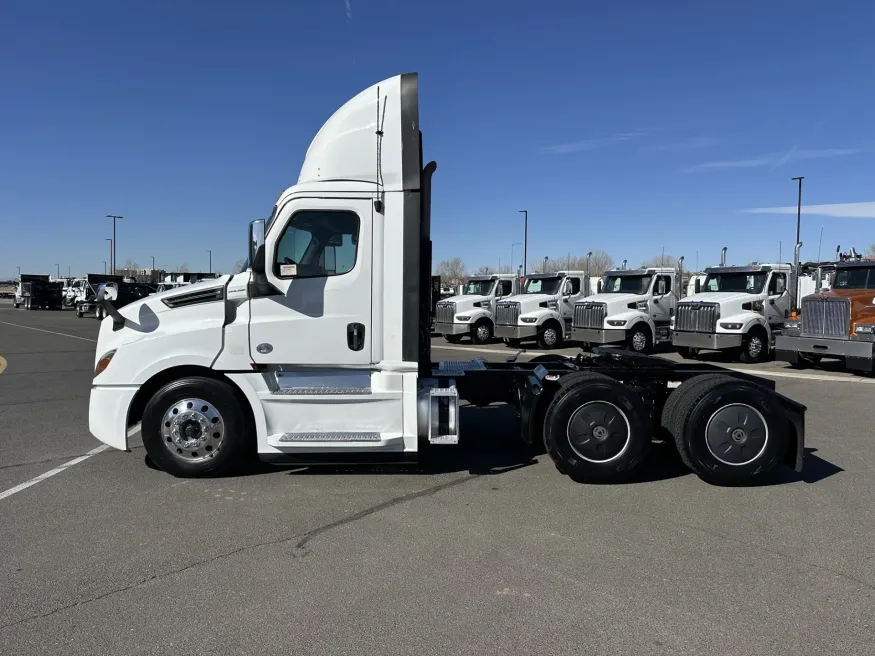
(481,333)
(595,429)
(15,305)
(806,361)
(688,353)
(549,336)
(727,431)
(453,339)
(512,342)
(195,427)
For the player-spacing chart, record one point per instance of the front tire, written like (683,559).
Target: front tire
(639,339)
(727,431)
(481,333)
(595,429)
(754,346)
(549,336)
(453,339)
(195,428)
(511,342)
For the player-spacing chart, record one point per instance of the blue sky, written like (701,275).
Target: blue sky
(623,126)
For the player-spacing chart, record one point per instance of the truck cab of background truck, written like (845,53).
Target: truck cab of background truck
(839,323)
(740,308)
(472,312)
(634,308)
(543,310)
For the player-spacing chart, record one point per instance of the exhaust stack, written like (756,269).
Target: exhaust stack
(723,256)
(839,253)
(794,290)
(623,266)
(680,280)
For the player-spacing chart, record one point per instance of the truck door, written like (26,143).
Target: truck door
(318,258)
(778,301)
(572,290)
(662,299)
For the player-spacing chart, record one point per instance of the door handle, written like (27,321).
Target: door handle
(355,336)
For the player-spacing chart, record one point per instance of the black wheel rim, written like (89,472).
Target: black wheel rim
(599,431)
(736,434)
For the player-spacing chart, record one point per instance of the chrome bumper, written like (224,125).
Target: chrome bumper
(713,341)
(515,332)
(597,336)
(857,354)
(452,328)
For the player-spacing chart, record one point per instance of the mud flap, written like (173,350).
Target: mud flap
(529,390)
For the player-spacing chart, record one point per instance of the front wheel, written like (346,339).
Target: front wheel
(453,339)
(511,342)
(754,346)
(638,339)
(481,333)
(805,361)
(15,305)
(195,427)
(549,336)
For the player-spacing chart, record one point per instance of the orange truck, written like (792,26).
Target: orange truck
(839,323)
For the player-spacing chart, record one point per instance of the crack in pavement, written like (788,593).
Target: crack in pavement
(301,549)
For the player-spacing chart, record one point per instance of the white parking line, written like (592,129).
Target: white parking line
(49,474)
(51,332)
(754,372)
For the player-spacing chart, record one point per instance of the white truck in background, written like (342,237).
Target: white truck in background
(471,313)
(320,352)
(634,308)
(543,310)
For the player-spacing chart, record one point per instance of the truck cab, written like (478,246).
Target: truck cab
(739,309)
(837,323)
(634,308)
(543,310)
(472,312)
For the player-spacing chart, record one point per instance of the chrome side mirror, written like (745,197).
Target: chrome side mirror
(256,246)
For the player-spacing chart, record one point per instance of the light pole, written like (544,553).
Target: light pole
(114,248)
(104,267)
(19,273)
(512,246)
(211,260)
(525,238)
(59,270)
(799,207)
(111,267)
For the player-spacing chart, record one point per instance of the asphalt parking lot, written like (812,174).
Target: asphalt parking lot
(495,553)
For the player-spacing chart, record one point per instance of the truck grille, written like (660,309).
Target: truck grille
(590,315)
(697,317)
(445,312)
(826,317)
(507,314)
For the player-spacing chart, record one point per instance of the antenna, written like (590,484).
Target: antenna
(819,243)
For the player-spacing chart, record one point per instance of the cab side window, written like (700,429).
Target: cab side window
(317,244)
(504,287)
(666,280)
(572,286)
(777,284)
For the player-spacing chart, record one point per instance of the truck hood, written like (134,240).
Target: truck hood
(155,301)
(614,302)
(465,301)
(528,302)
(723,297)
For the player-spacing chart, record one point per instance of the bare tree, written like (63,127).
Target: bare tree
(238,266)
(599,262)
(129,270)
(870,252)
(661,261)
(452,272)
(483,271)
(183,268)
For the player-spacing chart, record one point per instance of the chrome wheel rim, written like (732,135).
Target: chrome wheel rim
(599,432)
(737,434)
(639,341)
(550,336)
(755,346)
(483,333)
(193,430)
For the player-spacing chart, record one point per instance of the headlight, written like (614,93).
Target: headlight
(616,322)
(549,304)
(731,326)
(793,325)
(528,319)
(865,329)
(463,317)
(103,363)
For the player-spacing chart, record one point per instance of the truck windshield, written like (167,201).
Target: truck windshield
(854,279)
(478,287)
(752,283)
(542,285)
(626,285)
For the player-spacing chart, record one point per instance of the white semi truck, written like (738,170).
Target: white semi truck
(320,351)
(472,313)
(542,311)
(634,308)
